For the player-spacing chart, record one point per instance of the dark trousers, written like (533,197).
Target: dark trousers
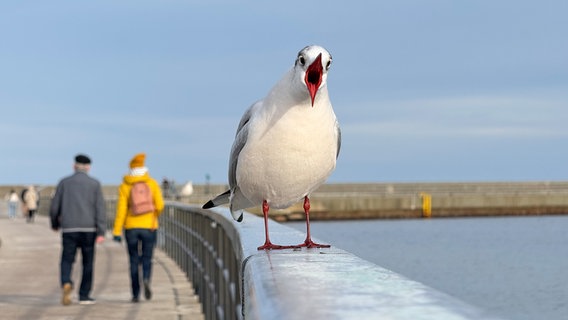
(31,213)
(140,244)
(72,241)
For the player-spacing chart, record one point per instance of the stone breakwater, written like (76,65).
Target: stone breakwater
(403,200)
(406,200)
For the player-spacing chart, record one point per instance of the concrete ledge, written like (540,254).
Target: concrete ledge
(329,283)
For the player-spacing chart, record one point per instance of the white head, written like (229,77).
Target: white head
(311,66)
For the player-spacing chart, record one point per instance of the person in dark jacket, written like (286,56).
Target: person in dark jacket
(78,210)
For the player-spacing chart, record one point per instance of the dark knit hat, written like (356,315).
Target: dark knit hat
(82,159)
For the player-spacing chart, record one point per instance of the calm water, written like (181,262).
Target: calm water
(515,268)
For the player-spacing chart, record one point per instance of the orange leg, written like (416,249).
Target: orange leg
(267,244)
(308,242)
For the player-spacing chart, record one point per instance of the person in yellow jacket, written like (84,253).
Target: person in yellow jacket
(139,228)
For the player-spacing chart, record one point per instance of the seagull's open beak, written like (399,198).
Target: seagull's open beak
(313,77)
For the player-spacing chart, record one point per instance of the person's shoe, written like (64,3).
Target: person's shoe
(66,298)
(87,301)
(135,300)
(147,291)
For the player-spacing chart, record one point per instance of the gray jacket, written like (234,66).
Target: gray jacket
(78,205)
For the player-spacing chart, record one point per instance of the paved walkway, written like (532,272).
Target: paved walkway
(29,280)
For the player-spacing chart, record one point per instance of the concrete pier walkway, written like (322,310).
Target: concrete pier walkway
(29,280)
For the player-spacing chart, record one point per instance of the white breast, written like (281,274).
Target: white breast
(289,153)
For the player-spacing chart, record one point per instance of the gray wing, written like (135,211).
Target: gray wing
(239,143)
(234,194)
(338,130)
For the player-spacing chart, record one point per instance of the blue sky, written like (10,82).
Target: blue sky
(423,90)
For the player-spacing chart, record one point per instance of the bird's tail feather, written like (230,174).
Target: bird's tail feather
(223,198)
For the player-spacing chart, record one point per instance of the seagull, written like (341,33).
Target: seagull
(286,145)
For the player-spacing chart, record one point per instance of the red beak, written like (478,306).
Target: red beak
(313,77)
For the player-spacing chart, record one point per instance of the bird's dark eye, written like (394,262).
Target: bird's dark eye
(328,64)
(301,60)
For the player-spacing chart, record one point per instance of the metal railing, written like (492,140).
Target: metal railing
(207,249)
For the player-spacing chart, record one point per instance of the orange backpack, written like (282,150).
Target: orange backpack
(141,200)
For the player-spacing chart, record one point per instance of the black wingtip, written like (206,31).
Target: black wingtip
(240,218)
(208,205)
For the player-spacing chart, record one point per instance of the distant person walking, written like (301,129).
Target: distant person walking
(139,204)
(78,209)
(31,199)
(166,188)
(13,201)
